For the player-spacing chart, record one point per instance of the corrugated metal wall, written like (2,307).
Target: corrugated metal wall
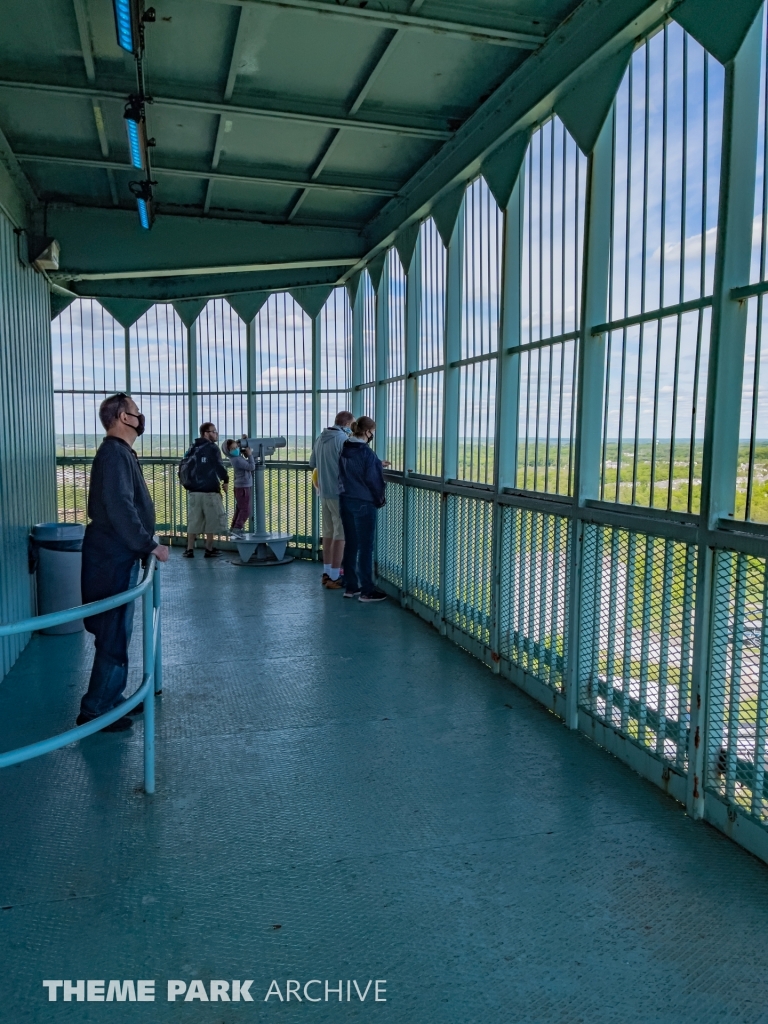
(27,444)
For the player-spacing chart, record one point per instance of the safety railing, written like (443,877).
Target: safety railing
(152,673)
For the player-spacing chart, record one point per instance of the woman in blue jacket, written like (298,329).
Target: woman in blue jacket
(361,494)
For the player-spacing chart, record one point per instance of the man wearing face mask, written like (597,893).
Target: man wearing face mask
(118,537)
(325,459)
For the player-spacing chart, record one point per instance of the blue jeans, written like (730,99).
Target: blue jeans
(359,520)
(109,676)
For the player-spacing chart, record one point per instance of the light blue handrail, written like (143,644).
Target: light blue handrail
(152,678)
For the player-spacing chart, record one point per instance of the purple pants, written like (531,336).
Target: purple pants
(243,498)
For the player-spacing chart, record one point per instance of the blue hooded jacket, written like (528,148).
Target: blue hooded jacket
(360,474)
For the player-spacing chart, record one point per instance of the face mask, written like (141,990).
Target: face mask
(234,452)
(347,430)
(139,428)
(369,439)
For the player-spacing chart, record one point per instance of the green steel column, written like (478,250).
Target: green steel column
(509,363)
(252,376)
(316,425)
(451,382)
(382,363)
(726,362)
(507,391)
(192,380)
(589,397)
(452,349)
(358,311)
(412,321)
(410,398)
(127,360)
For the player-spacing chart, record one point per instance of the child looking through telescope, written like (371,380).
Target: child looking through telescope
(242,461)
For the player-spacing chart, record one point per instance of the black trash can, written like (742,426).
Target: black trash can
(57,555)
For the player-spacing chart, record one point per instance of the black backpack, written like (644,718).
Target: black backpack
(197,470)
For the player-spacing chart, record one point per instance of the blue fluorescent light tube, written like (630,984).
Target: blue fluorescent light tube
(143,213)
(134,143)
(124,24)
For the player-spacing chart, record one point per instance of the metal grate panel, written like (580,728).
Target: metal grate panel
(423,535)
(636,633)
(468,566)
(389,536)
(738,701)
(533,612)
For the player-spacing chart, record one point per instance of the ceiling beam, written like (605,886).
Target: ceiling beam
(85,40)
(297,116)
(111,244)
(596,29)
(185,172)
(387,19)
(235,268)
(357,102)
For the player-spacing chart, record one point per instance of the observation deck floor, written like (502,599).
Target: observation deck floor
(344,794)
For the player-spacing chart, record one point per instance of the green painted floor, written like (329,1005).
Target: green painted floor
(344,794)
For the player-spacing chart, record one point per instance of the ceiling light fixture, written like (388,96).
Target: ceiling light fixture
(130,17)
(142,190)
(136,126)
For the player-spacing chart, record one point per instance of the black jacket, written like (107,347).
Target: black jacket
(210,471)
(120,532)
(360,474)
(119,505)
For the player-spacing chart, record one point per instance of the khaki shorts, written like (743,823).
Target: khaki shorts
(332,528)
(205,513)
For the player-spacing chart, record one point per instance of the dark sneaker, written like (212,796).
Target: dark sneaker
(189,553)
(121,725)
(376,595)
(352,593)
(334,584)
(213,553)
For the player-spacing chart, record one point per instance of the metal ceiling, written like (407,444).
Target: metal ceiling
(288,132)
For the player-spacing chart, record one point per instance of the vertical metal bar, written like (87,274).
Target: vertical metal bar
(149,700)
(452,348)
(127,360)
(358,369)
(192,381)
(317,342)
(156,602)
(686,637)
(589,398)
(412,318)
(381,438)
(726,356)
(508,380)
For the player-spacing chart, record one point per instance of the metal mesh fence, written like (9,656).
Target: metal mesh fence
(738,700)
(423,539)
(533,610)
(468,566)
(389,536)
(636,636)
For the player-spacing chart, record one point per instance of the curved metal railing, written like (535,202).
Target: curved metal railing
(152,678)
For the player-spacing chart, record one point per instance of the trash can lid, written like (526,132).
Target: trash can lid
(58,532)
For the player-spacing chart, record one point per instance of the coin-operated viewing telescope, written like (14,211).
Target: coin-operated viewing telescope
(261,547)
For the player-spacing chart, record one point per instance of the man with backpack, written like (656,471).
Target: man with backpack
(202,474)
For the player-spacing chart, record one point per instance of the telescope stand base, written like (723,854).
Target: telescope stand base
(262,561)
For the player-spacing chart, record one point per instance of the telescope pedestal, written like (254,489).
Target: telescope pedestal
(263,549)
